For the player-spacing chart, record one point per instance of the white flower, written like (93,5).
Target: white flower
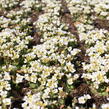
(84,98)
(70,81)
(6,76)
(19,78)
(76,107)
(87,96)
(76,76)
(7,101)
(108,99)
(75,51)
(105,106)
(103,13)
(70,67)
(81,100)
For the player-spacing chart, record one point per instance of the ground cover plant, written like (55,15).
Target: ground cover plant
(54,54)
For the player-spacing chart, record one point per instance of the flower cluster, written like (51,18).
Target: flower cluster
(4,89)
(83,99)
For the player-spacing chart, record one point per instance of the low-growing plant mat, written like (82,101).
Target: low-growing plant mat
(54,54)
